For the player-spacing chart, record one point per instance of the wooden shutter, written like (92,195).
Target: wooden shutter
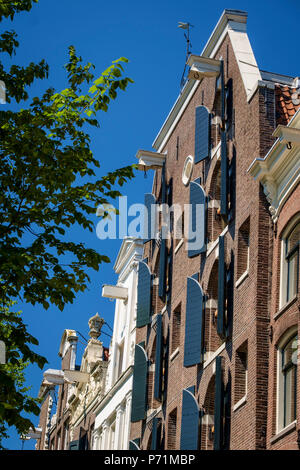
(221,288)
(229,295)
(134,444)
(163,184)
(149,217)
(156,434)
(193,342)
(158,358)
(219,404)
(162,269)
(74,445)
(197,206)
(189,421)
(224,176)
(202,133)
(139,386)
(143,295)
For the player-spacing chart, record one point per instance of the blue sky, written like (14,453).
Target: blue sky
(147,34)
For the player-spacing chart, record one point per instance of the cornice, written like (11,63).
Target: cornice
(279,170)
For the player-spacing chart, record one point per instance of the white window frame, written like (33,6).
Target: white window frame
(279,379)
(283,263)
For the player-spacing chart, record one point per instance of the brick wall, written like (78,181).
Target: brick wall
(252,136)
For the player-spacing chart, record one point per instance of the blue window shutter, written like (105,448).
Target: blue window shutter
(163,184)
(143,295)
(149,217)
(197,206)
(219,403)
(224,176)
(158,358)
(139,386)
(193,343)
(74,445)
(156,434)
(223,95)
(189,421)
(202,133)
(221,288)
(134,444)
(162,269)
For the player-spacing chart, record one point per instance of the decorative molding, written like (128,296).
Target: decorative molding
(279,170)
(149,160)
(201,67)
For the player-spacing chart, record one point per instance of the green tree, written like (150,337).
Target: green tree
(14,397)
(49,183)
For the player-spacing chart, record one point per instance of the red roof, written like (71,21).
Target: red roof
(287,103)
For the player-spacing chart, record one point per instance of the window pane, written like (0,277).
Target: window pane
(294,238)
(290,351)
(290,396)
(292,276)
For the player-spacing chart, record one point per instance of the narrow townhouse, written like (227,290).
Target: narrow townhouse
(112,422)
(217,299)
(279,174)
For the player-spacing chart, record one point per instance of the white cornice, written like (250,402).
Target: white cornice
(150,160)
(131,249)
(279,170)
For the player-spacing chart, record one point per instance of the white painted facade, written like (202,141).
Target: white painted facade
(112,423)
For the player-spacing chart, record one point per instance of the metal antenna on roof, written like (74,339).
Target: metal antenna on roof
(186,27)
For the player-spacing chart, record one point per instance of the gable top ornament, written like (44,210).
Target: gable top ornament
(95,326)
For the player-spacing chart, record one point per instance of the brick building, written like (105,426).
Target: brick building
(279,174)
(218,308)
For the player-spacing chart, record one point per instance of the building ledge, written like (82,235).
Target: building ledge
(179,246)
(284,432)
(211,246)
(174,354)
(240,403)
(242,278)
(212,356)
(285,307)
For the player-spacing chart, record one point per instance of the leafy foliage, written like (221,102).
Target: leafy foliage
(49,183)
(14,398)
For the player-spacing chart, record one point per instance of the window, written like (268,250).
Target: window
(66,436)
(287,390)
(112,432)
(243,249)
(215,222)
(120,359)
(290,264)
(58,441)
(176,328)
(172,425)
(241,372)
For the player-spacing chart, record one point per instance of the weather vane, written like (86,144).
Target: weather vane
(186,27)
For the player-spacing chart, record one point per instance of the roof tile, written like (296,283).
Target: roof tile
(286,106)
